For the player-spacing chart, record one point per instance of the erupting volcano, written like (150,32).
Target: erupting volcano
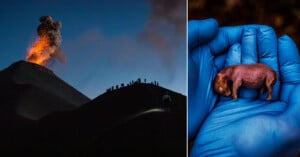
(48,44)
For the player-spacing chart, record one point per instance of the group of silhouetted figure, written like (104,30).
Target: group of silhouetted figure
(132,82)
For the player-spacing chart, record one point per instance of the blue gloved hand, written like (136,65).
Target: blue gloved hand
(200,66)
(250,125)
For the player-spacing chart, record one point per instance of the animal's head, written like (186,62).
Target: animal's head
(221,85)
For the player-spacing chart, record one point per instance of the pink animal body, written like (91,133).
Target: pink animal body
(258,76)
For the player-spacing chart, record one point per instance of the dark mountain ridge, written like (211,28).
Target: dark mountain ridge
(133,121)
(34,91)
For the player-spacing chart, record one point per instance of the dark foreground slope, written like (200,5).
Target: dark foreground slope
(32,91)
(131,121)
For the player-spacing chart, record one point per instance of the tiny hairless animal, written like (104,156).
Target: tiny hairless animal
(246,75)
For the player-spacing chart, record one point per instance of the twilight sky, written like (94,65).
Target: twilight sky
(107,42)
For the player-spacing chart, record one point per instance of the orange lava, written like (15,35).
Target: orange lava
(40,52)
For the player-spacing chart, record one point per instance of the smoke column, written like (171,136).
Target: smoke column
(48,44)
(165,28)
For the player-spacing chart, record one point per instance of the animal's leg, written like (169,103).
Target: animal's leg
(270,81)
(236,85)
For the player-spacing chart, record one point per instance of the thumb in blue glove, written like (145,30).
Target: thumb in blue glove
(200,32)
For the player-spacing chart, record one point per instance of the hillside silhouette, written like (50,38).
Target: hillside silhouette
(133,120)
(33,91)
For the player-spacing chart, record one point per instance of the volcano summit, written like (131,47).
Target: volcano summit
(33,91)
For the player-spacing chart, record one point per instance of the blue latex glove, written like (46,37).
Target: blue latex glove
(251,125)
(200,72)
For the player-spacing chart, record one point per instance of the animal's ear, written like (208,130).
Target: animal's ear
(221,89)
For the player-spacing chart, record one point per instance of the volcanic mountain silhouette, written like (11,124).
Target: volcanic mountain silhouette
(129,121)
(33,91)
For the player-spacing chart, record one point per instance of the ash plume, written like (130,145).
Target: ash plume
(48,44)
(165,27)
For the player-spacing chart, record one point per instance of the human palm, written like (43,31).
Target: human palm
(251,125)
(246,127)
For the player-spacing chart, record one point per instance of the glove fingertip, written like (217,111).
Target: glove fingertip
(201,31)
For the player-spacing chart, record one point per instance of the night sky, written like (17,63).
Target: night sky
(106,42)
